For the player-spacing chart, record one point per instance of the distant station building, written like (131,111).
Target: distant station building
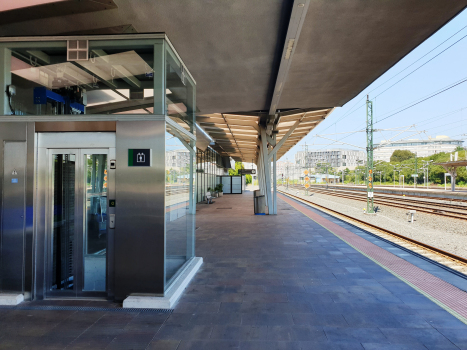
(284,168)
(422,148)
(177,158)
(337,158)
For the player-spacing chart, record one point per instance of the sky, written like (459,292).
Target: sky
(443,114)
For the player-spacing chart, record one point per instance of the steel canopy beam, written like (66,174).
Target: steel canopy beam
(282,141)
(297,18)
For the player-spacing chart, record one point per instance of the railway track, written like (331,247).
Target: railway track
(441,209)
(173,190)
(458,200)
(441,256)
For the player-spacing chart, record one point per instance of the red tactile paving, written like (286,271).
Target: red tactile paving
(446,295)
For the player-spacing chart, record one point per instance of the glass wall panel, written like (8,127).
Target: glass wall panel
(63,238)
(113,77)
(180,92)
(207,173)
(180,206)
(95,226)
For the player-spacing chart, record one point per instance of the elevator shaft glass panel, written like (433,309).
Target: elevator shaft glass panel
(63,206)
(95,237)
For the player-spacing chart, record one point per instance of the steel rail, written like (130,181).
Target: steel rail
(408,195)
(387,198)
(435,208)
(399,197)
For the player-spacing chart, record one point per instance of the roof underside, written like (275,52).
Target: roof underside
(234,48)
(237,135)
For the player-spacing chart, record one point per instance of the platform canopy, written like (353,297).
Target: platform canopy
(236,135)
(254,59)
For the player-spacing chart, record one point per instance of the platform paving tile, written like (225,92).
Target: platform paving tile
(379,346)
(431,338)
(267,282)
(457,336)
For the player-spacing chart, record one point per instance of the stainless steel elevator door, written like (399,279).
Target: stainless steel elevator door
(12,217)
(77,222)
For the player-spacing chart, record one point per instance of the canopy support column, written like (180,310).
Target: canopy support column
(266,169)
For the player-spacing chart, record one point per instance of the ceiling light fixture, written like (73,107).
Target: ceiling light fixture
(288,51)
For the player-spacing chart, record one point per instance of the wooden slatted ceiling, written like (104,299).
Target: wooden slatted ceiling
(238,134)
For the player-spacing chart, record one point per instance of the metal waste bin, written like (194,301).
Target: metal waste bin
(259,203)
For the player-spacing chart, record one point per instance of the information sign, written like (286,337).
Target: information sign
(139,157)
(247,171)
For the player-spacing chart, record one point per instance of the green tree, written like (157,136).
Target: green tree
(238,166)
(400,155)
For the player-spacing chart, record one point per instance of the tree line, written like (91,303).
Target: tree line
(406,163)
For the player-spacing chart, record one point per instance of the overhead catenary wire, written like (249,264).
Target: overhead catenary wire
(352,110)
(410,65)
(425,99)
(437,92)
(431,59)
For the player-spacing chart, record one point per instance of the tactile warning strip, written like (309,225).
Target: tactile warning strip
(449,297)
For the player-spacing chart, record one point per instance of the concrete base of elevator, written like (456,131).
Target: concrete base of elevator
(7,299)
(171,296)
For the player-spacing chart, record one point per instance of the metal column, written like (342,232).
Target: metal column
(369,152)
(266,170)
(5,78)
(274,186)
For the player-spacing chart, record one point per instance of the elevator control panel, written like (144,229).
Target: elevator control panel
(112,221)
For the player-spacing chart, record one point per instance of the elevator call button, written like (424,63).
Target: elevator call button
(112,203)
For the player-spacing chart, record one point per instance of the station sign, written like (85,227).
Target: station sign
(140,157)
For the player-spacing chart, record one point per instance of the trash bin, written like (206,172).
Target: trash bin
(259,203)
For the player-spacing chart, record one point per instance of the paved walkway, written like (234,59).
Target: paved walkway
(268,282)
(285,282)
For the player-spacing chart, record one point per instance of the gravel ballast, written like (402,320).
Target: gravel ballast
(448,234)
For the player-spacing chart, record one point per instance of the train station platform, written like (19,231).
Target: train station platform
(297,280)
